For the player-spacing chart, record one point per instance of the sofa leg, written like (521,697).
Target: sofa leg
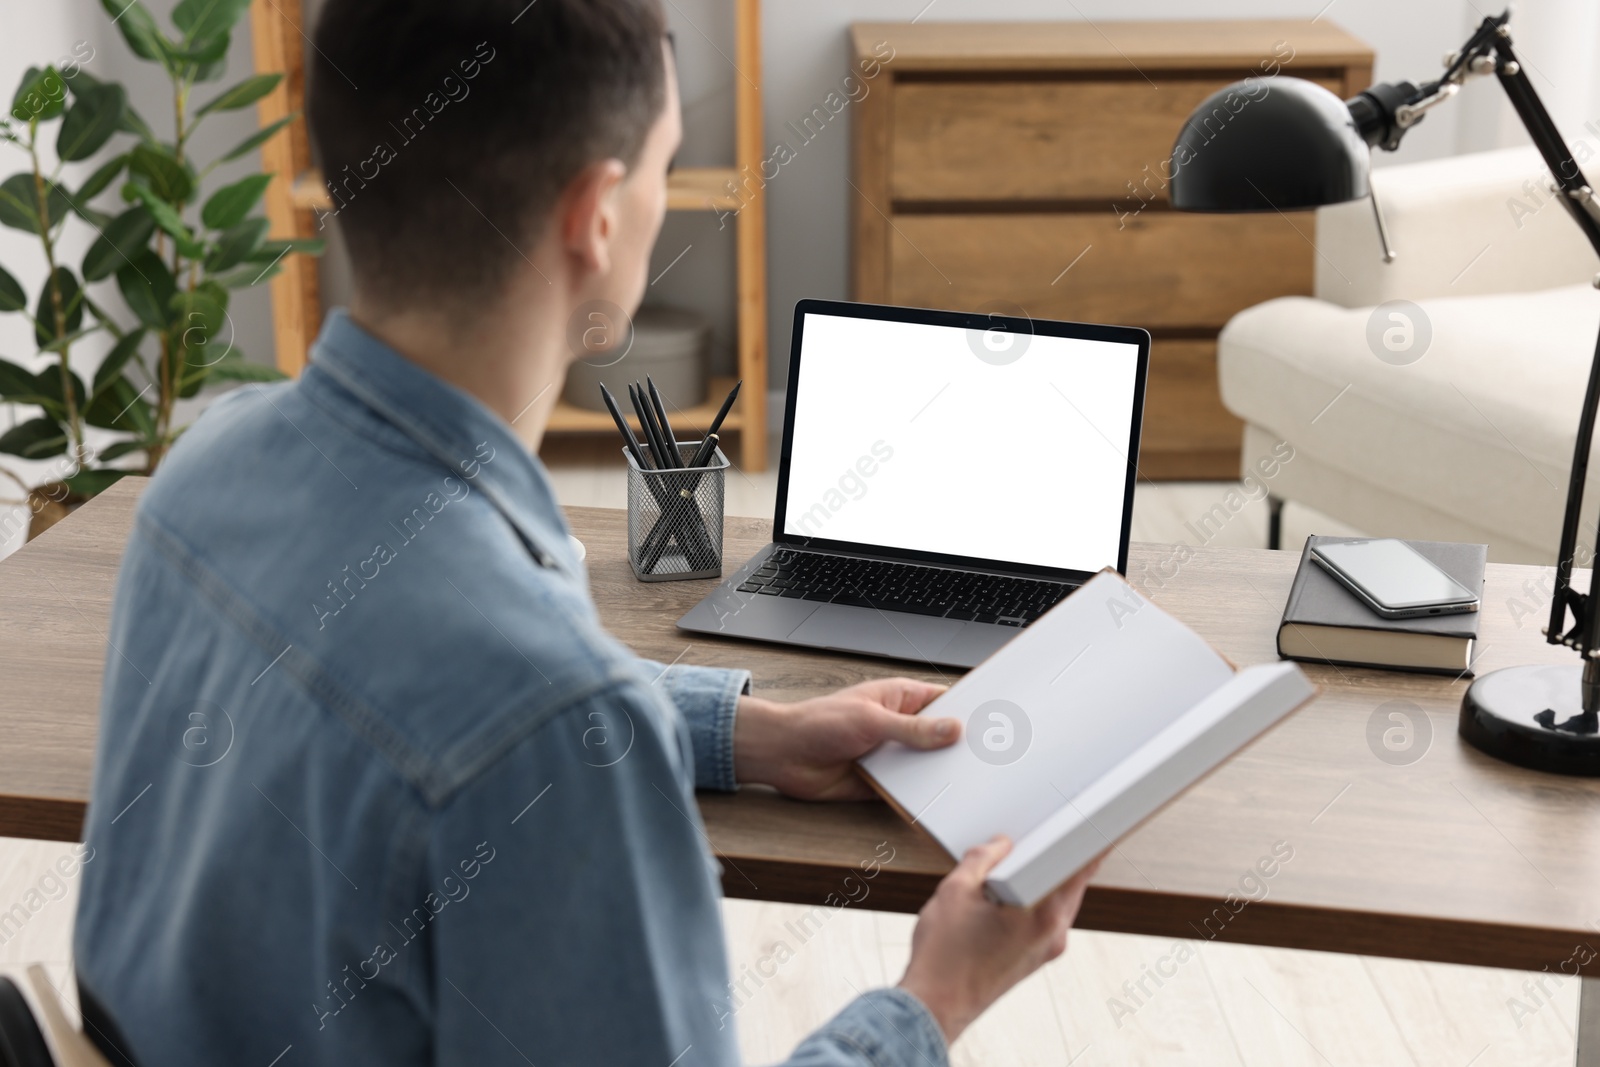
(1274,521)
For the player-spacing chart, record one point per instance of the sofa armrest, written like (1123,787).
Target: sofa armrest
(1462,226)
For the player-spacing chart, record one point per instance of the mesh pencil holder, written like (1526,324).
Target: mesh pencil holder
(675,518)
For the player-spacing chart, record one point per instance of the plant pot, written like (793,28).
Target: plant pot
(50,504)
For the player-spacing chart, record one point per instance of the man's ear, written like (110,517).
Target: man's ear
(589,214)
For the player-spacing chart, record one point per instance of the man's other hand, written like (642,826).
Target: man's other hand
(808,749)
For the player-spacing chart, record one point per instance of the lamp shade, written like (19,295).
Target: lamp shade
(1282,144)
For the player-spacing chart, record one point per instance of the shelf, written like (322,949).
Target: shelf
(688,189)
(309,194)
(703,189)
(686,422)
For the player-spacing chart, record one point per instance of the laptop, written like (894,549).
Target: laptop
(946,478)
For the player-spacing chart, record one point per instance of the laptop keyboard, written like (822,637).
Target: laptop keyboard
(907,587)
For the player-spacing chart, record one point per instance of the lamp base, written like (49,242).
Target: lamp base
(1533,717)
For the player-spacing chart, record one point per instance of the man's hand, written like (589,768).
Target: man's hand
(808,750)
(967,951)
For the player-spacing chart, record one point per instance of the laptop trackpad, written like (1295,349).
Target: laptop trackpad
(849,629)
(975,643)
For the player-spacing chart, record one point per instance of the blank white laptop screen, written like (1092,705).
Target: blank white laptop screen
(905,437)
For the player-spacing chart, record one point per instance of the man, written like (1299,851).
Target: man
(374,785)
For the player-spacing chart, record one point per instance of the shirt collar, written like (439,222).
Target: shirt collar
(452,426)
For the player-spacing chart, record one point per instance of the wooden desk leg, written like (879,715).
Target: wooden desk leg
(1589,1023)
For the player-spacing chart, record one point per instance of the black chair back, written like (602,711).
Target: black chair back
(21,1042)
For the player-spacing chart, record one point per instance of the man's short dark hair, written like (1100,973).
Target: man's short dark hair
(447,129)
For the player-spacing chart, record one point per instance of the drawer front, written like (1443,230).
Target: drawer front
(1187,431)
(1043,140)
(1161,269)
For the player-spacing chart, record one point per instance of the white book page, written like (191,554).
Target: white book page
(1064,702)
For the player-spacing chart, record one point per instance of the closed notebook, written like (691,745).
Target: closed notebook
(1323,622)
(1076,731)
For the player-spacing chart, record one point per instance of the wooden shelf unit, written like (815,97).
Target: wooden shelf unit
(279,31)
(688,189)
(687,423)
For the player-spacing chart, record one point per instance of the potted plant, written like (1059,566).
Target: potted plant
(172,255)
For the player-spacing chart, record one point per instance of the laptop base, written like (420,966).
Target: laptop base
(919,639)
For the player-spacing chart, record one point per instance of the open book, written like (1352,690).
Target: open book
(1076,731)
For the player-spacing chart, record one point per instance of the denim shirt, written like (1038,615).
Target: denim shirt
(373,785)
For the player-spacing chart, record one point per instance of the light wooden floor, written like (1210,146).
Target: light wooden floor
(1224,1005)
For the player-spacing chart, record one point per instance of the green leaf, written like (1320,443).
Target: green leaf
(35,439)
(204,62)
(235,368)
(117,451)
(147,285)
(12,298)
(229,205)
(197,318)
(61,344)
(260,137)
(47,385)
(131,122)
(249,274)
(138,29)
(270,251)
(116,361)
(201,19)
(166,217)
(17,384)
(41,95)
(109,324)
(93,483)
(82,80)
(95,115)
(236,244)
(241,95)
(201,342)
(118,243)
(244,276)
(64,284)
(134,123)
(101,179)
(19,205)
(158,169)
(122,407)
(210,72)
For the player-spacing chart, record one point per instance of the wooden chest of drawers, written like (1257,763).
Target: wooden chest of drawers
(1024,165)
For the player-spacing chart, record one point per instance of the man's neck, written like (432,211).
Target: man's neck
(514,361)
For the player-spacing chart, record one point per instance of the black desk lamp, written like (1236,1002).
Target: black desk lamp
(1294,145)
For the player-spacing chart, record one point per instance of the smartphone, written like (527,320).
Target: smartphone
(1394,579)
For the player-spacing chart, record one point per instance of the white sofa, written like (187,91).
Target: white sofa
(1472,441)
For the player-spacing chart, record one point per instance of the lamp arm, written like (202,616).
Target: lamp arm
(1382,115)
(1577,196)
(1576,193)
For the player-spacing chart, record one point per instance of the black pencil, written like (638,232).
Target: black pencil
(670,438)
(642,408)
(727,406)
(628,440)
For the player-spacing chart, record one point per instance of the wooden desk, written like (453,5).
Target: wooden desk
(1452,857)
